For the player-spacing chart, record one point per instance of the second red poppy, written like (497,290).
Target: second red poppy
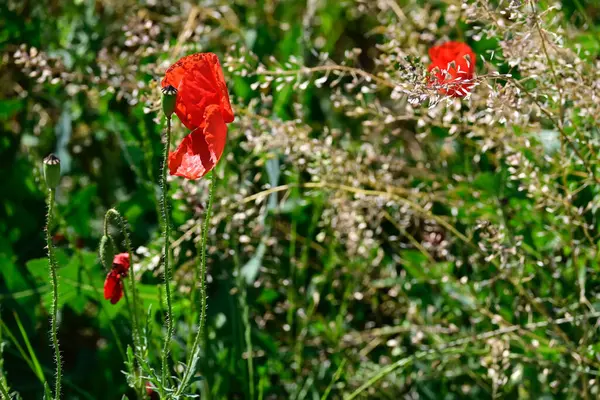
(452,66)
(113,285)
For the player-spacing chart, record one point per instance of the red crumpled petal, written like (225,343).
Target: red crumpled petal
(121,263)
(200,83)
(200,151)
(457,78)
(113,287)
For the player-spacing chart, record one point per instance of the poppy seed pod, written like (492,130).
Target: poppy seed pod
(107,251)
(52,171)
(169,100)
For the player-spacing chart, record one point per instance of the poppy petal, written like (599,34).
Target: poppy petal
(215,132)
(225,104)
(113,287)
(200,83)
(118,293)
(200,151)
(121,263)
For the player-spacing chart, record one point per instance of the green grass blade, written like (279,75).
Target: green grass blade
(37,368)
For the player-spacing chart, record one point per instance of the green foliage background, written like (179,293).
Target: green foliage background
(315,319)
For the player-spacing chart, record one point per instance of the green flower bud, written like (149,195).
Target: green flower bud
(169,99)
(52,171)
(107,251)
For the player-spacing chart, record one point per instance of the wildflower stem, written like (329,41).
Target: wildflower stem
(193,358)
(122,222)
(3,384)
(133,306)
(54,278)
(167,272)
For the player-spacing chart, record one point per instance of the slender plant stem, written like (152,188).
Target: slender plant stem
(123,228)
(133,306)
(167,272)
(193,358)
(248,338)
(426,354)
(3,384)
(54,278)
(334,379)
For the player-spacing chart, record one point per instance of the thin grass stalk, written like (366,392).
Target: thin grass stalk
(248,339)
(167,266)
(194,356)
(54,278)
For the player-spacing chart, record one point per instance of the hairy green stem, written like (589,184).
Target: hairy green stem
(193,358)
(122,222)
(54,278)
(167,272)
(133,305)
(3,384)
(248,339)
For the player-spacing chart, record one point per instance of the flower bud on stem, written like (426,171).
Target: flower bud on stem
(169,100)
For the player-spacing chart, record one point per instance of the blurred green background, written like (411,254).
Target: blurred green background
(395,234)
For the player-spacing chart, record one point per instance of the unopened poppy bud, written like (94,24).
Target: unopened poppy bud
(107,251)
(52,171)
(168,100)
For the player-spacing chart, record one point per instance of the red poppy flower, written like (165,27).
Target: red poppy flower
(453,65)
(203,106)
(113,285)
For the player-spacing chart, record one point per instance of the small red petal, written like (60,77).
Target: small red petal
(121,263)
(113,287)
(117,294)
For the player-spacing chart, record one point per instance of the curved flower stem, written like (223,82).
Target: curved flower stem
(167,273)
(194,356)
(122,222)
(54,278)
